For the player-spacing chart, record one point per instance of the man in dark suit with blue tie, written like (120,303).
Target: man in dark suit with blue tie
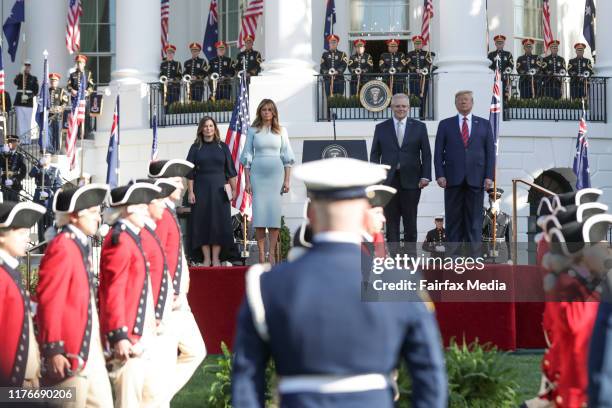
(464,159)
(403,145)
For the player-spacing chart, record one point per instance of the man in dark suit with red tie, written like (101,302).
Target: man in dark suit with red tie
(464,159)
(402,144)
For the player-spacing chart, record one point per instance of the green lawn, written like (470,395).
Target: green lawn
(526,368)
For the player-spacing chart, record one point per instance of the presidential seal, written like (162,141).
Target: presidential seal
(332,151)
(375,96)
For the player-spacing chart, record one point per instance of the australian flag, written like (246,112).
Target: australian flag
(12,27)
(42,112)
(330,20)
(588,28)
(495,109)
(112,157)
(581,159)
(211,35)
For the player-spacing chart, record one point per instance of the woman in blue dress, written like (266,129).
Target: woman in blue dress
(211,222)
(267,158)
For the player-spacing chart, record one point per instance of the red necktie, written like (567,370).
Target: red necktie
(465,132)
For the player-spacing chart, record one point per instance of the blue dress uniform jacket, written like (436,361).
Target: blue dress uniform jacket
(318,325)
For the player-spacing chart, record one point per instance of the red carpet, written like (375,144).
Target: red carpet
(215,296)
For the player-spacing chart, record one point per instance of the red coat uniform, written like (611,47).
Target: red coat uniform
(169,232)
(123,286)
(64,292)
(14,327)
(158,268)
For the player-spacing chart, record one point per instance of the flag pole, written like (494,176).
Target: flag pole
(494,219)
(118,138)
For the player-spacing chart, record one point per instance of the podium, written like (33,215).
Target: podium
(328,149)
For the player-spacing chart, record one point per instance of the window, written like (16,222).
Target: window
(528,24)
(230,12)
(98,38)
(379,17)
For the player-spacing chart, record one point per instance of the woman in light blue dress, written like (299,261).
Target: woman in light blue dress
(267,158)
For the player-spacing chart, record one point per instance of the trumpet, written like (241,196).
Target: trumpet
(392,71)
(186,78)
(586,74)
(424,71)
(214,76)
(562,72)
(332,71)
(532,71)
(508,71)
(357,71)
(164,81)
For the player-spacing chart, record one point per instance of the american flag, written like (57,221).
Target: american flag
(581,159)
(73,33)
(112,156)
(76,118)
(155,144)
(165,15)
(495,109)
(249,20)
(548,37)
(428,13)
(234,139)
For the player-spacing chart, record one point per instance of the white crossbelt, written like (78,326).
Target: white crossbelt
(333,384)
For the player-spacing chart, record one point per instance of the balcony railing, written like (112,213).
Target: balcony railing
(345,104)
(181,103)
(558,98)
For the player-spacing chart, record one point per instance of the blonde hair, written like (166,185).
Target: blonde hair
(464,92)
(258,122)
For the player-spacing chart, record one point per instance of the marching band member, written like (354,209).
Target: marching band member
(191,348)
(19,355)
(68,324)
(127,316)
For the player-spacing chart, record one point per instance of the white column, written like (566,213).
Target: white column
(288,76)
(137,63)
(603,66)
(462,61)
(44,30)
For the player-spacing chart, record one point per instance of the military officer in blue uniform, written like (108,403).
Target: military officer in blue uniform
(13,168)
(250,57)
(48,180)
(330,347)
(529,66)
(196,68)
(171,73)
(580,69)
(360,64)
(392,63)
(333,65)
(220,73)
(553,66)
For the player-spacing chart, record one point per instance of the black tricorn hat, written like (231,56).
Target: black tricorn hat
(134,193)
(170,168)
(582,196)
(20,214)
(379,195)
(167,187)
(579,213)
(73,199)
(572,237)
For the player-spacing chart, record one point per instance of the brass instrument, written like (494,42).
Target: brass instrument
(164,81)
(423,72)
(508,71)
(24,95)
(358,72)
(332,73)
(214,77)
(392,72)
(187,81)
(531,72)
(586,74)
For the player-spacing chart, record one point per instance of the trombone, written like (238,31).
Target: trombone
(164,81)
(214,77)
(187,82)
